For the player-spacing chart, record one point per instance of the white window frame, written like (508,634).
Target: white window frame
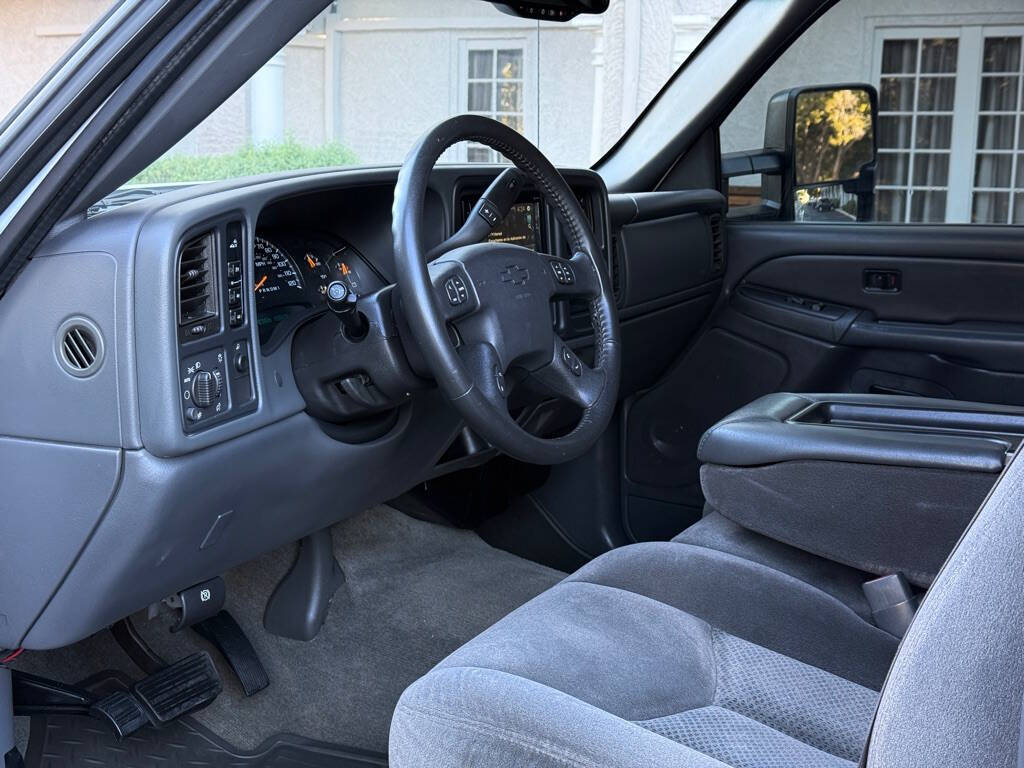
(495,44)
(966,103)
(956,148)
(1018,114)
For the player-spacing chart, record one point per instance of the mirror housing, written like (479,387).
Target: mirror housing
(820,147)
(550,10)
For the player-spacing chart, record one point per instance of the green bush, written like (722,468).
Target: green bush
(247,161)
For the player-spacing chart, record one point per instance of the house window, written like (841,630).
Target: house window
(916,98)
(951,124)
(494,87)
(998,194)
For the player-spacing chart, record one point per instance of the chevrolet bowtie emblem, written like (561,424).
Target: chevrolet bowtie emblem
(515,274)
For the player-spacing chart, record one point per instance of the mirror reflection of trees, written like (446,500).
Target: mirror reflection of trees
(833,135)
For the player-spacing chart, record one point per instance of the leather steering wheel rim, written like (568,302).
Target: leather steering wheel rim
(469,393)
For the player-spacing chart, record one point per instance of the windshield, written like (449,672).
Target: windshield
(367,77)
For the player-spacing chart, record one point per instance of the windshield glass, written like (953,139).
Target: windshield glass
(367,77)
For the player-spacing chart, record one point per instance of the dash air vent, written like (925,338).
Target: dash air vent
(717,244)
(79,347)
(197,289)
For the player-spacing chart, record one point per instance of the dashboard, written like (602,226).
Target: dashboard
(196,442)
(193,445)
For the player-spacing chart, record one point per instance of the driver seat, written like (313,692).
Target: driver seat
(670,654)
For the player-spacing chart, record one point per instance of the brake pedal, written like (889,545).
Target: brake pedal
(186,686)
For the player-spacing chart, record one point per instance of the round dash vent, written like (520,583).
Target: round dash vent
(79,347)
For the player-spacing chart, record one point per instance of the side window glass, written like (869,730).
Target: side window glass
(948,123)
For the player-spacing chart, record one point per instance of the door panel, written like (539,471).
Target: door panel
(916,310)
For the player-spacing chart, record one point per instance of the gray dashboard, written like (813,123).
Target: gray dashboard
(125,499)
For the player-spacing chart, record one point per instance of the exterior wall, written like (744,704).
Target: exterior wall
(305,69)
(590,78)
(34,36)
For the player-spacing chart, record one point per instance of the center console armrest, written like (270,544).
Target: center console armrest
(883,483)
(872,429)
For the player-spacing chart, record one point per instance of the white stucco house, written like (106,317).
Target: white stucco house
(949,74)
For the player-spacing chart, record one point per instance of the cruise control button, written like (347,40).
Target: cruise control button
(572,362)
(455,288)
(563,272)
(489,213)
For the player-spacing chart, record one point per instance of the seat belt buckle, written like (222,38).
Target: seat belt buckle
(892,602)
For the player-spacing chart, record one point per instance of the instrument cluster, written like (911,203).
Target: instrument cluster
(292,269)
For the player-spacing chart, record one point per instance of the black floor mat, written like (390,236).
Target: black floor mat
(63,741)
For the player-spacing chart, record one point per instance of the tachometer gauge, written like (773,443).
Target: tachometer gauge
(276,278)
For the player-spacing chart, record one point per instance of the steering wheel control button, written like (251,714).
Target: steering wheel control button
(499,380)
(572,362)
(489,213)
(455,288)
(563,272)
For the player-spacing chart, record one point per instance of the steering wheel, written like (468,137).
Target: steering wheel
(483,308)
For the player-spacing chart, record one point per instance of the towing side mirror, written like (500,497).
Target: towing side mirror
(818,160)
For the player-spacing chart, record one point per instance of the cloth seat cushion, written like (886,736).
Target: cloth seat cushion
(655,654)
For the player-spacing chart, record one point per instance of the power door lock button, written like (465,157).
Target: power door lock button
(883,280)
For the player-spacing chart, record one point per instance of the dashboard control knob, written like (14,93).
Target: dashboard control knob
(206,388)
(241,362)
(341,300)
(193,414)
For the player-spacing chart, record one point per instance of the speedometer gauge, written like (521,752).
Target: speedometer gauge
(276,277)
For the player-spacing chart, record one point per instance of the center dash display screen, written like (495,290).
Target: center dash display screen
(520,227)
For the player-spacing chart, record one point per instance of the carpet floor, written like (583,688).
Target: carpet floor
(414,592)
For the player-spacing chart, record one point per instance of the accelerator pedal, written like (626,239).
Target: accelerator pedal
(229,638)
(184,687)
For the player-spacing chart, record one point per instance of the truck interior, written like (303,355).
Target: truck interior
(693,455)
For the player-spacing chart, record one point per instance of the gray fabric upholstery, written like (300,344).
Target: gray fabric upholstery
(953,696)
(801,701)
(840,581)
(457,717)
(880,519)
(739,741)
(751,601)
(645,642)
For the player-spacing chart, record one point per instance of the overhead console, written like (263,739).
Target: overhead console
(883,483)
